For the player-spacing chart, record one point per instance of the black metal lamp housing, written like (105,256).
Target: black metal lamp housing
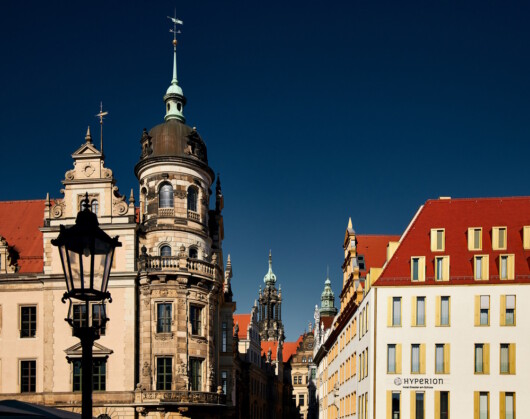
(86,255)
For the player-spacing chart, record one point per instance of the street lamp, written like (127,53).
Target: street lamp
(86,255)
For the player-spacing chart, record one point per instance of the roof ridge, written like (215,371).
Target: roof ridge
(481,198)
(24,200)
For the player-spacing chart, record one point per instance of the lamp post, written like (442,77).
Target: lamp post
(86,255)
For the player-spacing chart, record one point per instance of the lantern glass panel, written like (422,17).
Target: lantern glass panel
(66,270)
(74,261)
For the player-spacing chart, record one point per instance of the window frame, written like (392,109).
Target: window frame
(196,323)
(22,325)
(445,266)
(196,379)
(164,323)
(31,386)
(163,384)
(510,267)
(421,268)
(166,197)
(435,239)
(471,239)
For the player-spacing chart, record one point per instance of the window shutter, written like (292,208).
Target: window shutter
(412,404)
(476,405)
(486,358)
(437,318)
(495,238)
(389,312)
(433,240)
(503,310)
(511,260)
(421,269)
(511,354)
(436,405)
(413,319)
(470,239)
(422,358)
(445,264)
(485,267)
(388,404)
(398,358)
(526,237)
(502,405)
(477,310)
(447,358)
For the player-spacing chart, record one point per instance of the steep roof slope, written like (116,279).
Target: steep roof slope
(456,216)
(19,225)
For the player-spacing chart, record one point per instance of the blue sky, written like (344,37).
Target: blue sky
(311,112)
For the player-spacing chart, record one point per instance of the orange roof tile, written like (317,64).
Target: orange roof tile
(373,248)
(289,348)
(456,216)
(19,225)
(242,320)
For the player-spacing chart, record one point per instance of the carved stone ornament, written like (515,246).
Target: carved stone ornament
(58,209)
(70,175)
(181,194)
(89,170)
(181,368)
(106,173)
(146,370)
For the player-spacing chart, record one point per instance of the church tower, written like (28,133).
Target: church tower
(185,298)
(270,308)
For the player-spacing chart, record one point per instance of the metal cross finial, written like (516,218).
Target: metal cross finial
(100,115)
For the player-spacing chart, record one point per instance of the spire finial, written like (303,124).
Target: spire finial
(100,115)
(174,97)
(88,137)
(350,226)
(270,258)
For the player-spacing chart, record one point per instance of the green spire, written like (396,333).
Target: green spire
(174,97)
(270,277)
(327,306)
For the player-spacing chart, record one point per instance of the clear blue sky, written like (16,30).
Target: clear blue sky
(311,112)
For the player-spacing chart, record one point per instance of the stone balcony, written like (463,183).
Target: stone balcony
(181,397)
(181,264)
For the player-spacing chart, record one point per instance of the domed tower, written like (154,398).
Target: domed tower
(185,299)
(270,308)
(327,301)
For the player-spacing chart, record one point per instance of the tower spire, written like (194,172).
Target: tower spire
(174,97)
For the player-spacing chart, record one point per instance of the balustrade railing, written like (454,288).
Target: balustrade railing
(173,263)
(183,396)
(195,216)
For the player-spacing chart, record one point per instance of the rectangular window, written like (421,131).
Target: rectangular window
(224,379)
(163,318)
(420,311)
(79,315)
(508,407)
(444,311)
(506,266)
(196,374)
(474,238)
(417,268)
(479,358)
(478,267)
(224,337)
(164,373)
(28,377)
(98,314)
(396,311)
(28,321)
(301,400)
(507,358)
(498,238)
(98,375)
(195,317)
(420,405)
(443,404)
(415,359)
(437,239)
(481,405)
(442,354)
(484,310)
(396,405)
(508,310)
(481,267)
(391,356)
(441,268)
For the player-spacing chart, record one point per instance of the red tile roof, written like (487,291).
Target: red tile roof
(456,216)
(19,225)
(242,320)
(289,348)
(328,321)
(373,248)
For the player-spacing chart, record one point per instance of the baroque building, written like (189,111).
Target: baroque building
(168,348)
(270,307)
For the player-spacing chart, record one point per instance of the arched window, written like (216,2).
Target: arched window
(193,253)
(165,250)
(165,196)
(192,199)
(95,206)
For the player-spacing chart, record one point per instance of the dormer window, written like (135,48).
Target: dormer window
(165,197)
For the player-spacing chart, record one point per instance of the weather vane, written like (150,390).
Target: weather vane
(100,115)
(174,31)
